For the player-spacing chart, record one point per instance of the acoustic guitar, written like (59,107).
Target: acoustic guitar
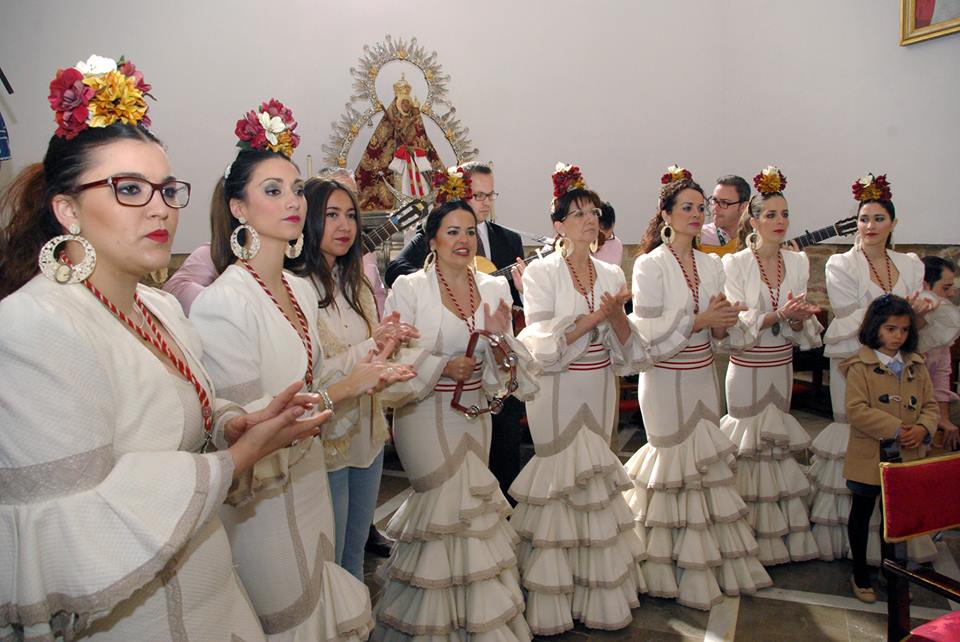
(403,218)
(840,228)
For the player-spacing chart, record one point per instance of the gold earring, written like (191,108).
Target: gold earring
(666,234)
(240,250)
(564,246)
(754,241)
(61,272)
(293,251)
(430,260)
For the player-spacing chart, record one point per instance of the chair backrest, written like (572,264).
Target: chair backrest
(920,497)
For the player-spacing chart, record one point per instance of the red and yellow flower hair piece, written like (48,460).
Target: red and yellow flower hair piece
(676,173)
(452,185)
(770,180)
(268,128)
(98,92)
(872,188)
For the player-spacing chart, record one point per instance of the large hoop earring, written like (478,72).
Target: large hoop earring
(594,246)
(666,234)
(754,241)
(564,246)
(892,244)
(61,272)
(293,251)
(240,251)
(429,260)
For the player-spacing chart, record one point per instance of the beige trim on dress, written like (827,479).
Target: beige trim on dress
(51,479)
(69,615)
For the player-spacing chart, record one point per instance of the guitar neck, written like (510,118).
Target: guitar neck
(526,261)
(376,237)
(811,238)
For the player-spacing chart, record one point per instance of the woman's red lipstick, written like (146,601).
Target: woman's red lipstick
(160,236)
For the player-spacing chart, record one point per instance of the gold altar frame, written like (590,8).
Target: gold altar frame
(910,34)
(435,106)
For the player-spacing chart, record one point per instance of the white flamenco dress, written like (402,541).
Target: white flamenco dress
(699,544)
(851,291)
(452,574)
(759,387)
(580,556)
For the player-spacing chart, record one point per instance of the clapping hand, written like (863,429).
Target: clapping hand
(391,330)
(498,321)
(721,314)
(611,305)
(922,305)
(797,308)
(255,435)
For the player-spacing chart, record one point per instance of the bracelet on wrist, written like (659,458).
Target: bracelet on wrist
(327,401)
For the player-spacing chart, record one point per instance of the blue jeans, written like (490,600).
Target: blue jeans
(354,492)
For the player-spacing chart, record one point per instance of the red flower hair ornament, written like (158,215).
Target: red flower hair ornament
(452,185)
(872,188)
(271,127)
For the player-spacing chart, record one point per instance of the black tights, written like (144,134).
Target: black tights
(858,530)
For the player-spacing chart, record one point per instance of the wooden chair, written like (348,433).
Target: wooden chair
(919,497)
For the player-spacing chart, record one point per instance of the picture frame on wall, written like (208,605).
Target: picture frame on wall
(925,19)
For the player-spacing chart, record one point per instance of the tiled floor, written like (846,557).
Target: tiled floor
(809,601)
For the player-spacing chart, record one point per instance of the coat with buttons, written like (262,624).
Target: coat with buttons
(879,404)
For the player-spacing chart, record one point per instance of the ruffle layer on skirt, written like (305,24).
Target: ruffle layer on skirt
(453,571)
(830,503)
(693,522)
(346,606)
(830,499)
(773,484)
(771,434)
(580,555)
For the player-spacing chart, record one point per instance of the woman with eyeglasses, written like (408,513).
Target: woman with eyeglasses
(452,573)
(854,279)
(259,328)
(699,545)
(108,501)
(579,556)
(772,283)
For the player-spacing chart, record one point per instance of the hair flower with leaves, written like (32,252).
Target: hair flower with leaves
(98,92)
(770,180)
(872,188)
(271,127)
(452,185)
(675,173)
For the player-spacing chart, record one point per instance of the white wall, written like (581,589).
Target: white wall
(623,89)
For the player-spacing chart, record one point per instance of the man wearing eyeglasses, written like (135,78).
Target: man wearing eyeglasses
(499,245)
(729,200)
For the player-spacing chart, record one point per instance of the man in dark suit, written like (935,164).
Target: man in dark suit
(503,247)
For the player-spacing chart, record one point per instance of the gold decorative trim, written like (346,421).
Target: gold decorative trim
(435,106)
(910,34)
(883,494)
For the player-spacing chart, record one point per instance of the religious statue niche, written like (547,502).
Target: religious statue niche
(399,159)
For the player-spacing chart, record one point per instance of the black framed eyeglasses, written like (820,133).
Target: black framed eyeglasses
(135,191)
(722,202)
(482,196)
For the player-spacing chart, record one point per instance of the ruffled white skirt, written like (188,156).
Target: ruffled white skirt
(699,545)
(452,574)
(772,483)
(579,556)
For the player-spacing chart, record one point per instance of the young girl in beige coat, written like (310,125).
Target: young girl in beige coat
(891,408)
